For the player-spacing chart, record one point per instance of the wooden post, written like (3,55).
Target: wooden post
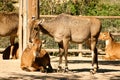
(37,9)
(33,12)
(27,10)
(33,9)
(80,48)
(20,27)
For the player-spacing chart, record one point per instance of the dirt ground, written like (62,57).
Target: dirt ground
(79,70)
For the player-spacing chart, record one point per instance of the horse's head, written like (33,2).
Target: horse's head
(34,28)
(37,43)
(105,36)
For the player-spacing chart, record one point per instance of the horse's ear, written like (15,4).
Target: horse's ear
(41,21)
(110,34)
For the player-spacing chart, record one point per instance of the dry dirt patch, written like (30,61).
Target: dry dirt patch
(79,69)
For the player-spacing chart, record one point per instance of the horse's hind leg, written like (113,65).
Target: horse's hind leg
(94,55)
(12,39)
(28,69)
(50,69)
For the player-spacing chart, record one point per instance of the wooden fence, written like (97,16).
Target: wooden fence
(100,17)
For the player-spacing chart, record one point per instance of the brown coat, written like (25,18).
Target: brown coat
(15,52)
(112,48)
(34,58)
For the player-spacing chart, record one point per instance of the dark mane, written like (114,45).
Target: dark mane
(111,36)
(44,30)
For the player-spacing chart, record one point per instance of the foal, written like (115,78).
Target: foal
(34,58)
(112,48)
(15,52)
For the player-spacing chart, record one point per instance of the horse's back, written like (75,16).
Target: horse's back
(8,24)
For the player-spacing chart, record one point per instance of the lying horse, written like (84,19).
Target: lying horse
(42,62)
(9,27)
(34,58)
(65,28)
(112,48)
(15,52)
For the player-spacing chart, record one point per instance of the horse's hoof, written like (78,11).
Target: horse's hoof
(11,58)
(66,70)
(93,71)
(59,69)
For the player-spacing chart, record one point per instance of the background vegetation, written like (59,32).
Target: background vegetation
(81,7)
(6,5)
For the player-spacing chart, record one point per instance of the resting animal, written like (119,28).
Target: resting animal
(15,52)
(9,27)
(112,48)
(34,58)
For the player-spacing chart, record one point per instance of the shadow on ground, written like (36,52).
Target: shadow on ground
(99,70)
(52,76)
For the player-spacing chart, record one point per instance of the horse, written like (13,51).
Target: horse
(112,48)
(66,28)
(15,52)
(9,27)
(34,58)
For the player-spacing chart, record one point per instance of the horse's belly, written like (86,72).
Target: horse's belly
(79,38)
(77,41)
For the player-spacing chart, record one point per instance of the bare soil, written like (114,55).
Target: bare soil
(79,70)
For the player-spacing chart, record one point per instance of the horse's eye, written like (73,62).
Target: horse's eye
(36,28)
(104,35)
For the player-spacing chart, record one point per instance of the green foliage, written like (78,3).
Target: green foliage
(80,7)
(71,8)
(49,7)
(112,25)
(104,10)
(6,5)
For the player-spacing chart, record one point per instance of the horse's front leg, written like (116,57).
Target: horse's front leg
(94,55)
(65,45)
(63,50)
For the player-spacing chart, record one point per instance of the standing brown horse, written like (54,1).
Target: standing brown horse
(65,28)
(9,27)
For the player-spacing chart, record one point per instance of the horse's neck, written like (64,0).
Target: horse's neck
(47,28)
(109,43)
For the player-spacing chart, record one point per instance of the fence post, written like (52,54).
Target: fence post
(25,23)
(20,27)
(33,9)
(80,48)
(33,12)
(27,10)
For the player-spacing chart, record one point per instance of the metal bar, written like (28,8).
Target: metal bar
(101,17)
(74,50)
